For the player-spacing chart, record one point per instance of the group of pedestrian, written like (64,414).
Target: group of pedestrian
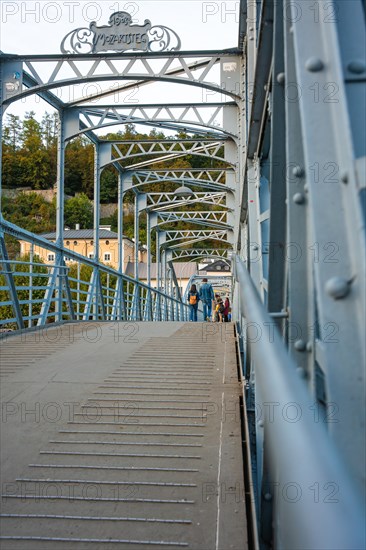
(214,308)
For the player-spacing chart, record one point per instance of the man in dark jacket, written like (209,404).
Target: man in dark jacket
(207,296)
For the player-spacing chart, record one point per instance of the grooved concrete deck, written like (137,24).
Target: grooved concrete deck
(122,435)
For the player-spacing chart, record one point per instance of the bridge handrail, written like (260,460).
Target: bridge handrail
(124,298)
(299,453)
(38,240)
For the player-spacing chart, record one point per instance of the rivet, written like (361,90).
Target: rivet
(357,66)
(268,497)
(306,188)
(344,177)
(251,28)
(261,423)
(251,38)
(298,171)
(255,247)
(337,287)
(309,346)
(298,198)
(300,345)
(301,372)
(281,78)
(314,64)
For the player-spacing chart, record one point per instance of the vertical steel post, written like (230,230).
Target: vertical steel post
(78,290)
(120,224)
(60,203)
(136,234)
(158,259)
(148,243)
(94,297)
(30,306)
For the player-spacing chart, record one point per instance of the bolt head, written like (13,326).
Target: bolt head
(344,177)
(314,64)
(357,66)
(261,424)
(300,345)
(298,198)
(298,171)
(281,78)
(337,287)
(301,372)
(309,346)
(268,497)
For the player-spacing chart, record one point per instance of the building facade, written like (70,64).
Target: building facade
(81,242)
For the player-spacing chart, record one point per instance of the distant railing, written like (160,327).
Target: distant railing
(310,499)
(33,293)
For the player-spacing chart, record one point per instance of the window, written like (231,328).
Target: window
(91,243)
(67,243)
(107,242)
(107,257)
(75,243)
(91,255)
(66,259)
(51,257)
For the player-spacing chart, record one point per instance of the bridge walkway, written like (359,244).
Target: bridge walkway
(122,435)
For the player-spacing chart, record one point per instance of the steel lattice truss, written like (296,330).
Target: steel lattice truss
(189,117)
(165,201)
(292,212)
(56,71)
(179,254)
(209,218)
(121,151)
(185,234)
(209,179)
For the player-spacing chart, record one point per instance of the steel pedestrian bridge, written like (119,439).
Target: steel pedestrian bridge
(124,425)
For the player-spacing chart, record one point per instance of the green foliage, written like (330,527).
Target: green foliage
(108,186)
(30,211)
(30,159)
(79,209)
(6,311)
(79,167)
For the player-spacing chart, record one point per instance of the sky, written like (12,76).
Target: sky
(38,27)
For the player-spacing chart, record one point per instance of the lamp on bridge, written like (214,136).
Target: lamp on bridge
(183,192)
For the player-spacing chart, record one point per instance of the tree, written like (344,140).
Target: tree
(34,156)
(79,209)
(79,167)
(108,185)
(11,169)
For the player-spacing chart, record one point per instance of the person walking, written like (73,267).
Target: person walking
(226,310)
(207,296)
(193,299)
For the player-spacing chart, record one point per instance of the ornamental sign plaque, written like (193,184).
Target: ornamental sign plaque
(120,35)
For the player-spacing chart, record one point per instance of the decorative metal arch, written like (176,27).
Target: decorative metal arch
(169,149)
(45,70)
(195,118)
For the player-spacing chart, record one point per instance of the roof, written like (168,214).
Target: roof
(183,270)
(84,234)
(217,266)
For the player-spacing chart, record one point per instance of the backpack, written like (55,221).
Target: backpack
(221,308)
(193,299)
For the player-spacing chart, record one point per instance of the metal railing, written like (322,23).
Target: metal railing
(35,293)
(310,498)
